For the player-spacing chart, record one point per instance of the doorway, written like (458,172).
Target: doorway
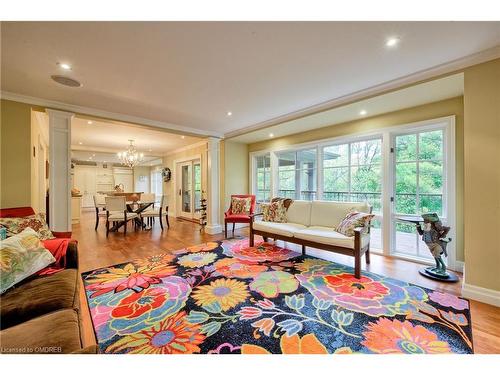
(422,183)
(188,189)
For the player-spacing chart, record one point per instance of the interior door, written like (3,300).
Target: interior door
(185,190)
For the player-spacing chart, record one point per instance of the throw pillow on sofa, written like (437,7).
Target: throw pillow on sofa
(274,212)
(37,222)
(240,205)
(353,220)
(21,256)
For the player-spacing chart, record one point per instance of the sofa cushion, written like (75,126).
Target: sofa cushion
(352,221)
(38,296)
(240,205)
(58,332)
(283,229)
(274,211)
(328,236)
(21,256)
(299,212)
(37,222)
(330,214)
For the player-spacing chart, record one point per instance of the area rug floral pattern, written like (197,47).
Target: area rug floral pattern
(231,298)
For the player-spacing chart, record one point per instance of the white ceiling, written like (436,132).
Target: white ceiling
(191,73)
(113,137)
(428,92)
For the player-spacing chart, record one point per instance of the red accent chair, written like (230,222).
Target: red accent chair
(229,217)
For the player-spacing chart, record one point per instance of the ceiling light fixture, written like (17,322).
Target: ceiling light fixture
(363,112)
(80,143)
(89,122)
(229,114)
(271,135)
(392,41)
(64,66)
(130,157)
(183,136)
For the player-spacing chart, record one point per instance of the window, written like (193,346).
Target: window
(412,174)
(297,174)
(419,173)
(197,186)
(157,185)
(263,178)
(352,172)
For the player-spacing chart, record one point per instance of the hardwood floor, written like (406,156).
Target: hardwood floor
(95,251)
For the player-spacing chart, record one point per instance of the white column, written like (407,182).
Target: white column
(213,225)
(60,170)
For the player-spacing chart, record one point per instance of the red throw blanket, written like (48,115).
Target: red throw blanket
(58,248)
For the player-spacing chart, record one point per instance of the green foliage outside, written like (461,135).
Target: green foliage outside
(352,172)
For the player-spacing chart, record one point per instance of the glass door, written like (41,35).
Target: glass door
(419,187)
(189,189)
(197,187)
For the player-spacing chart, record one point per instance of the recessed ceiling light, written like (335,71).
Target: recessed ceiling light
(362,112)
(80,143)
(182,136)
(64,66)
(89,122)
(229,113)
(93,154)
(271,135)
(392,41)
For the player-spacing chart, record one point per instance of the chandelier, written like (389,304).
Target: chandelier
(131,157)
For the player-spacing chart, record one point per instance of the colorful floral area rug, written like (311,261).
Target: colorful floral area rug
(232,298)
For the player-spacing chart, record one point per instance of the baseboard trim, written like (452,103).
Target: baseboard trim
(477,293)
(459,266)
(213,229)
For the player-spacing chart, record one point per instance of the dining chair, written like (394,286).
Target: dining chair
(160,212)
(100,210)
(148,198)
(116,211)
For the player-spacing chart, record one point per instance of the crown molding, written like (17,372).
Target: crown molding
(451,67)
(60,106)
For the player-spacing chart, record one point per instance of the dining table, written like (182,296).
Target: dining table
(135,207)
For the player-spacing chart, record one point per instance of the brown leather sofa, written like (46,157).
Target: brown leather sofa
(41,314)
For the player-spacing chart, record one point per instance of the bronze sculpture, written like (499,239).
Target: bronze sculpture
(434,234)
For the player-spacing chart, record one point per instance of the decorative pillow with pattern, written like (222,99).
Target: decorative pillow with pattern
(15,225)
(274,212)
(21,256)
(353,220)
(240,205)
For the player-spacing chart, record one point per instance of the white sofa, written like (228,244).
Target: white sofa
(313,223)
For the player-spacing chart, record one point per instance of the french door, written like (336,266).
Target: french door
(188,189)
(420,185)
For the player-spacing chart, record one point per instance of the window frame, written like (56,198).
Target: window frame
(387,134)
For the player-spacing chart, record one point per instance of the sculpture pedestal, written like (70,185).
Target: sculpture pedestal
(450,278)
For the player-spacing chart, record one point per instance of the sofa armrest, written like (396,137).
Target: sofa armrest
(257,214)
(361,238)
(72,255)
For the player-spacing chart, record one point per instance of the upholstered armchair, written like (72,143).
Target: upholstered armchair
(230,217)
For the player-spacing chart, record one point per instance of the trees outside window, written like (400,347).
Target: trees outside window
(297,174)
(352,172)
